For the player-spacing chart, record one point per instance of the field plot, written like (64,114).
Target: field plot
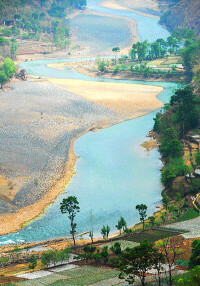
(151,235)
(123,243)
(84,275)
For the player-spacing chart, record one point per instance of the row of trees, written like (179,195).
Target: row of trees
(158,49)
(182,114)
(70,206)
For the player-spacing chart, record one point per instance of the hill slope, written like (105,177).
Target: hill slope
(182,13)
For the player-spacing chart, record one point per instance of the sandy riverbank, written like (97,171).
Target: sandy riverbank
(46,128)
(126,101)
(146,8)
(131,100)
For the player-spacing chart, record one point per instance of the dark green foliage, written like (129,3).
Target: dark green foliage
(70,205)
(138,260)
(197,157)
(33,262)
(195,256)
(152,221)
(165,200)
(3,77)
(116,248)
(105,254)
(181,116)
(175,168)
(105,231)
(191,279)
(142,209)
(121,225)
(55,256)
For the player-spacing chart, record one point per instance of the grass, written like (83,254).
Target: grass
(123,243)
(181,262)
(151,235)
(191,213)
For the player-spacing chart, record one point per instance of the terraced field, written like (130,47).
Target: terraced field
(84,275)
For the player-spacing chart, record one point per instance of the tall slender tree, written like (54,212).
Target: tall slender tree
(70,205)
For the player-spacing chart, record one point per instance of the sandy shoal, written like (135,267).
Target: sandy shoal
(134,5)
(125,99)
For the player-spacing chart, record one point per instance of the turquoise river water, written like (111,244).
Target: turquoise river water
(113,172)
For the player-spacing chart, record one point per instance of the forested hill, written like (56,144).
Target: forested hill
(41,20)
(182,13)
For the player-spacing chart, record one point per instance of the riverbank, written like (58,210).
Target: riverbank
(129,100)
(139,104)
(148,8)
(90,68)
(44,130)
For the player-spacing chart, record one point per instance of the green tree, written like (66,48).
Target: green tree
(142,209)
(116,248)
(105,254)
(102,66)
(107,231)
(9,67)
(197,157)
(121,224)
(165,200)
(195,256)
(33,262)
(70,205)
(192,278)
(152,221)
(103,231)
(13,49)
(3,78)
(138,260)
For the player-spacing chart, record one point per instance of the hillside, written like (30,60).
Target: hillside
(43,21)
(182,13)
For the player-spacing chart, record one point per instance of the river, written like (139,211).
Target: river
(113,172)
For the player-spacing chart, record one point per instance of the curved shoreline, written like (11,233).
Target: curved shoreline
(15,221)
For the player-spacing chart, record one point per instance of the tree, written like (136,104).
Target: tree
(140,49)
(105,254)
(33,262)
(107,231)
(103,232)
(165,200)
(197,157)
(142,209)
(171,249)
(13,49)
(9,67)
(138,260)
(3,78)
(121,224)
(70,205)
(116,50)
(152,221)
(195,256)
(192,278)
(101,66)
(91,234)
(116,248)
